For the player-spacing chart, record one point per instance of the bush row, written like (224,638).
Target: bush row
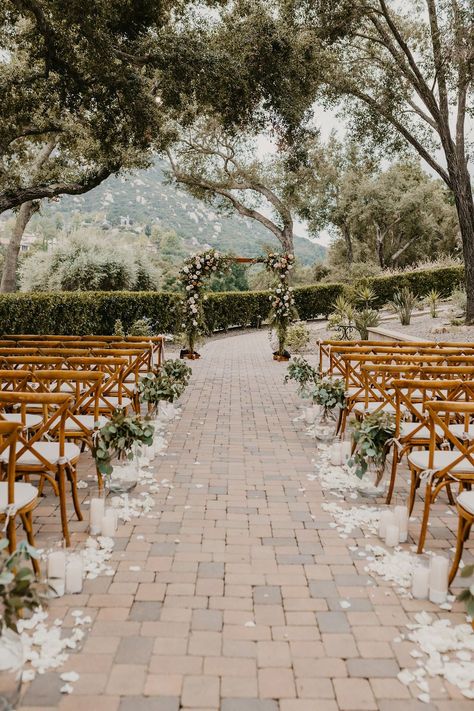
(79,313)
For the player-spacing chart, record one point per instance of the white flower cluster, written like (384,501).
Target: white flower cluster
(280,264)
(195,270)
(283,301)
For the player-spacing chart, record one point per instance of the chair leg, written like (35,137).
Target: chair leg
(414,484)
(62,503)
(73,479)
(27,521)
(426,515)
(393,475)
(450,495)
(11,534)
(464,528)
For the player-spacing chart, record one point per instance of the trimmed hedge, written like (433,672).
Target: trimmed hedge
(89,312)
(443,279)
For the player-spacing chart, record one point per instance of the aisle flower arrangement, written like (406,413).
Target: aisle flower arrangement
(195,271)
(283,311)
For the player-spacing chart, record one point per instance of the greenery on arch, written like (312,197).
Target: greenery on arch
(201,267)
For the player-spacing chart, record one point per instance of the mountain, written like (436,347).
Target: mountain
(145,199)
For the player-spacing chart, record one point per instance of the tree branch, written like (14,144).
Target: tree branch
(367,99)
(12,198)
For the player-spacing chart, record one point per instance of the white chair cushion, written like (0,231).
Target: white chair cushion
(48,450)
(362,408)
(114,401)
(441,459)
(406,428)
(88,421)
(23,495)
(458,430)
(31,421)
(466,500)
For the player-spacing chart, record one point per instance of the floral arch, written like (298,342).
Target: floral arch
(198,268)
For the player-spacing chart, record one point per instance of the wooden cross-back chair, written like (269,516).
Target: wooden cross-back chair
(411,417)
(11,379)
(84,386)
(357,386)
(137,363)
(440,469)
(20,380)
(329,349)
(6,351)
(40,337)
(37,455)
(32,362)
(341,356)
(64,352)
(16,498)
(113,392)
(465,509)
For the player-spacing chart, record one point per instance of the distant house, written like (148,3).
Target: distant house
(27,241)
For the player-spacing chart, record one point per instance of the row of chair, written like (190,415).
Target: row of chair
(51,404)
(429,390)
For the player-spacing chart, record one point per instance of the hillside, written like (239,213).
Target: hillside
(147,199)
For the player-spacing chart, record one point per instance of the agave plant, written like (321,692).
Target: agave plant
(365,319)
(433,298)
(342,318)
(364,296)
(403,303)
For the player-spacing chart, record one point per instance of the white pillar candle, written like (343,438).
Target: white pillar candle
(57,572)
(96,514)
(401,515)
(386,518)
(74,574)
(420,582)
(439,569)
(346,450)
(336,454)
(392,535)
(108,524)
(109,511)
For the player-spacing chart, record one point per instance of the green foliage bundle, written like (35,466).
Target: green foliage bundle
(329,393)
(165,383)
(467,595)
(19,589)
(372,435)
(302,373)
(117,438)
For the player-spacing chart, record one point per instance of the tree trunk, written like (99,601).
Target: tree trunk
(8,283)
(465,209)
(346,233)
(379,240)
(287,238)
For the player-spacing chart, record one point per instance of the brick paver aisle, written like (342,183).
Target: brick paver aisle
(236,605)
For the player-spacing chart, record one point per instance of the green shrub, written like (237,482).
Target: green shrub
(79,313)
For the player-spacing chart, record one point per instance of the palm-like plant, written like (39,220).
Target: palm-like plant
(403,303)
